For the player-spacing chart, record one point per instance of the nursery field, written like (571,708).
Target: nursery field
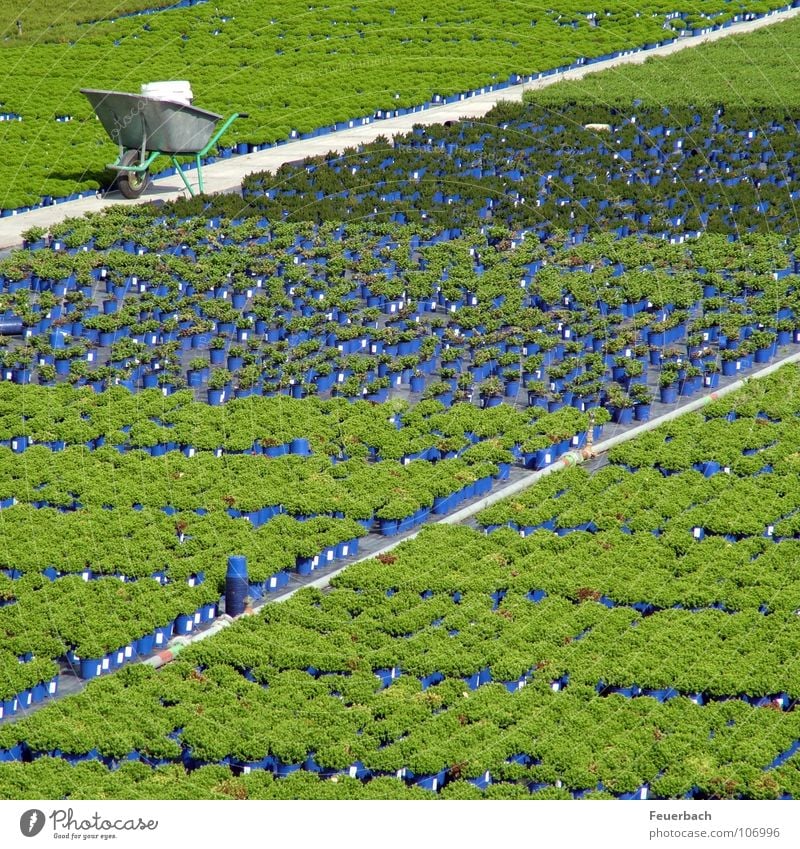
(39,23)
(294,69)
(627,633)
(359,345)
(218,376)
(243,482)
(662,171)
(241,308)
(731,73)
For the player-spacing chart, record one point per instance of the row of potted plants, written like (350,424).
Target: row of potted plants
(514,361)
(417,735)
(525,164)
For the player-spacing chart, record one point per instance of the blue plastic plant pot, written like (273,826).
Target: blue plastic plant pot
(62,366)
(386,676)
(430,680)
(90,668)
(194,377)
(300,446)
(19,444)
(389,527)
(116,658)
(359,771)
(407,523)
(442,504)
(482,486)
(276,450)
(39,692)
(710,468)
(662,695)
(282,769)
(764,355)
(266,763)
(504,471)
(668,394)
(12,754)
(184,623)
(146,644)
(433,783)
(482,781)
(473,681)
(305,566)
(276,582)
(9,707)
(641,412)
(621,415)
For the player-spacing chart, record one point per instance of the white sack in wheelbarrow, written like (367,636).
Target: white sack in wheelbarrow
(175,90)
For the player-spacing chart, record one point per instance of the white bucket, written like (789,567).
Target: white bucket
(175,90)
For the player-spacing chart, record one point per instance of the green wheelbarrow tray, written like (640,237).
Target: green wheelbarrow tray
(147,127)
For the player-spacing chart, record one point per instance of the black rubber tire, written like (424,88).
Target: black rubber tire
(132,183)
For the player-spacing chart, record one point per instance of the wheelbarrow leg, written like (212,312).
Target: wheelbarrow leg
(201,153)
(200,174)
(186,183)
(179,169)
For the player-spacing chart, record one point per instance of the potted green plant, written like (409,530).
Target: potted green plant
(619,404)
(491,392)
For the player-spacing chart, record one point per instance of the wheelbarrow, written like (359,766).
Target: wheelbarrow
(148,127)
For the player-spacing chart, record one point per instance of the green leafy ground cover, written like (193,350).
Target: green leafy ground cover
(42,23)
(576,617)
(732,73)
(706,633)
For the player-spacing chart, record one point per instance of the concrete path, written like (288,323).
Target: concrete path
(227,175)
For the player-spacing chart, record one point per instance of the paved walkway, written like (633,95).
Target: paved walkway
(227,175)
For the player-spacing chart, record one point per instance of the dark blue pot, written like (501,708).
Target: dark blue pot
(184,623)
(90,668)
(621,415)
(668,394)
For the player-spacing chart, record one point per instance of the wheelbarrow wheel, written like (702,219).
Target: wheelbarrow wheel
(132,183)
